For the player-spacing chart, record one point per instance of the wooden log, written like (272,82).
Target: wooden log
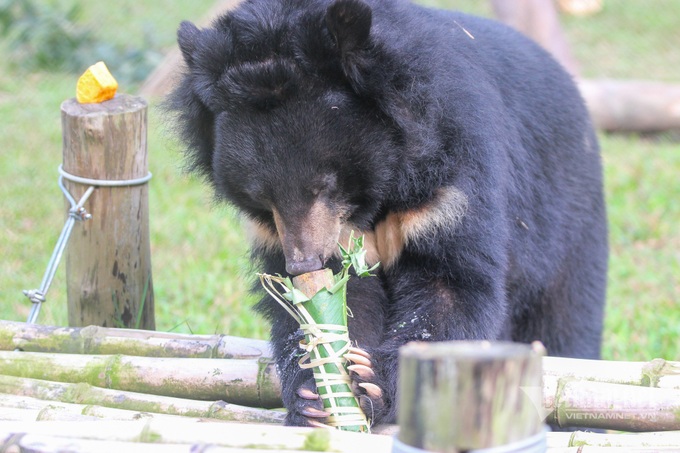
(457,396)
(102,340)
(640,106)
(118,399)
(108,258)
(253,383)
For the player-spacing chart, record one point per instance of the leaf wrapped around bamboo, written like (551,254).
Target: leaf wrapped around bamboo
(318,302)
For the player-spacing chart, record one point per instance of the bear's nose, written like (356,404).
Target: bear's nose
(308,264)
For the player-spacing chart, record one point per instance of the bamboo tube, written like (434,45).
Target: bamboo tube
(650,439)
(15,407)
(326,310)
(579,403)
(248,382)
(240,436)
(44,444)
(89,395)
(587,449)
(102,340)
(655,373)
(18,414)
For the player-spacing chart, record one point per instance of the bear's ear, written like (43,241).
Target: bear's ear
(187,38)
(349,21)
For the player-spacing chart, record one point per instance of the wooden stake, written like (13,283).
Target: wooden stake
(457,396)
(108,258)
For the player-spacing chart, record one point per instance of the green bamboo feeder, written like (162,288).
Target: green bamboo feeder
(318,301)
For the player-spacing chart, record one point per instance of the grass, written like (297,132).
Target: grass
(201,272)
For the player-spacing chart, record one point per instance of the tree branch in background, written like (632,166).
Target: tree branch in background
(539,20)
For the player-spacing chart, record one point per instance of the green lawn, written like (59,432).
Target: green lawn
(200,265)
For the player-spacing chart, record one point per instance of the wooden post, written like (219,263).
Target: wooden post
(539,20)
(459,396)
(108,258)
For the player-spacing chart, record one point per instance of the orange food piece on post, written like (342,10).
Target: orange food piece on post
(96,85)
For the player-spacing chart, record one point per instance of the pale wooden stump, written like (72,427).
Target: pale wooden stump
(108,258)
(459,396)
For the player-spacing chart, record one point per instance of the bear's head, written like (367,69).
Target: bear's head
(280,109)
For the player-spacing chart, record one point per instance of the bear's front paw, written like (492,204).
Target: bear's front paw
(307,408)
(365,385)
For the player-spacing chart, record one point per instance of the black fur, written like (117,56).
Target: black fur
(373,108)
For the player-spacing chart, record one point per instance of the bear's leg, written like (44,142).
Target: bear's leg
(466,304)
(567,314)
(298,389)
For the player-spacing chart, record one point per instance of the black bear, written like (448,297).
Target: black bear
(460,149)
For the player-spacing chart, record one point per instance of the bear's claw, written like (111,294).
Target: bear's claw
(369,394)
(373,391)
(307,394)
(362,371)
(358,359)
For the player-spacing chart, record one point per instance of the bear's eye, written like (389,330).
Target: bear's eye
(326,184)
(257,196)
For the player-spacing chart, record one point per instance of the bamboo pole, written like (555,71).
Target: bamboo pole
(588,449)
(91,395)
(580,403)
(457,396)
(18,414)
(49,444)
(651,439)
(108,258)
(248,382)
(239,436)
(16,407)
(655,373)
(613,409)
(102,340)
